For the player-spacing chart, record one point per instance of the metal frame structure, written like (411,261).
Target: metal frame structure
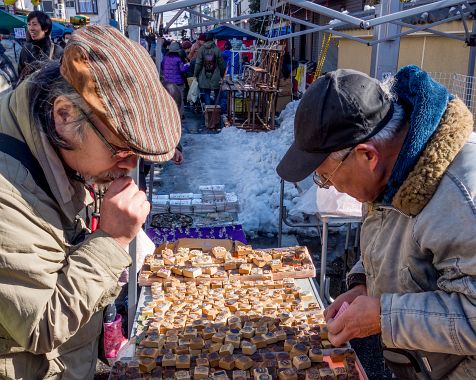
(465,8)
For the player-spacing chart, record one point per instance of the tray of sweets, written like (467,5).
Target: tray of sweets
(219,264)
(174,304)
(197,330)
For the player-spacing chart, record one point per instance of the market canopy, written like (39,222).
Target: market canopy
(59,30)
(9,22)
(225,33)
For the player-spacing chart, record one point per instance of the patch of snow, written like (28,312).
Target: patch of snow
(245,162)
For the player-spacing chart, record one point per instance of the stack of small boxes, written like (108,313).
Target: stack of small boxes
(212,198)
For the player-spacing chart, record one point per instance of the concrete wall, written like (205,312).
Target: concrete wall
(432,53)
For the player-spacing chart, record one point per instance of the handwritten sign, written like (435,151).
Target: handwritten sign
(20,33)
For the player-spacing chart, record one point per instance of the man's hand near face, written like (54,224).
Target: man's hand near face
(124,210)
(361,319)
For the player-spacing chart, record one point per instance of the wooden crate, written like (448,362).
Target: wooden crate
(212,117)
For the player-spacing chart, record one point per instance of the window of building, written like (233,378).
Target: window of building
(87,6)
(48,7)
(69,4)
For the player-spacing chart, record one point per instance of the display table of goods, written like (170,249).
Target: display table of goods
(238,328)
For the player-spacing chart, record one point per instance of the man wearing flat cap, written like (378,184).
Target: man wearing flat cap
(71,125)
(408,151)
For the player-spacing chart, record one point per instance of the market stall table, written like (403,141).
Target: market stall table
(307,285)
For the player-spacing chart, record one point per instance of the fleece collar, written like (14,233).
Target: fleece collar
(425,101)
(421,183)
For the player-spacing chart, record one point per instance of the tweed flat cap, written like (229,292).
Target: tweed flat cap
(119,81)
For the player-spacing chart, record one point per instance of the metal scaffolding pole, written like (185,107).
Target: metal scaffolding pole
(410,12)
(172,20)
(294,19)
(318,28)
(385,54)
(226,20)
(328,12)
(426,28)
(471,64)
(256,35)
(179,5)
(350,37)
(199,14)
(132,285)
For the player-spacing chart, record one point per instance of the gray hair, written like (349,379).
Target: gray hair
(45,86)
(389,131)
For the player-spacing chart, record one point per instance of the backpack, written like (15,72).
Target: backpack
(209,60)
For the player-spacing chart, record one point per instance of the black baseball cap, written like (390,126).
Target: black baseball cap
(341,109)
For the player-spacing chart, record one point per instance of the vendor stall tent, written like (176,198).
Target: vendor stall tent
(9,22)
(224,32)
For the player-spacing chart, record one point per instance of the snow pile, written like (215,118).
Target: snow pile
(245,162)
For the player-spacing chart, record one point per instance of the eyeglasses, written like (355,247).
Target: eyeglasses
(117,151)
(323,181)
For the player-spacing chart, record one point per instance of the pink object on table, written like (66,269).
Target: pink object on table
(343,308)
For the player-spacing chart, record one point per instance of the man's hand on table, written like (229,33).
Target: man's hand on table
(361,319)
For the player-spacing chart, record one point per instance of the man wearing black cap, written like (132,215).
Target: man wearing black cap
(411,155)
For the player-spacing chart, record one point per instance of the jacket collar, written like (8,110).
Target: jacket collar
(418,188)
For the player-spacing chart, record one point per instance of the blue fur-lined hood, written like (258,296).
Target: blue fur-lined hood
(425,101)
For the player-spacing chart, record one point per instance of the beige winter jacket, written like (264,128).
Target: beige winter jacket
(51,293)
(419,253)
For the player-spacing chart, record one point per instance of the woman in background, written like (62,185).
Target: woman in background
(173,70)
(38,46)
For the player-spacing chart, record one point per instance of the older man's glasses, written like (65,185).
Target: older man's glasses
(116,151)
(323,181)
